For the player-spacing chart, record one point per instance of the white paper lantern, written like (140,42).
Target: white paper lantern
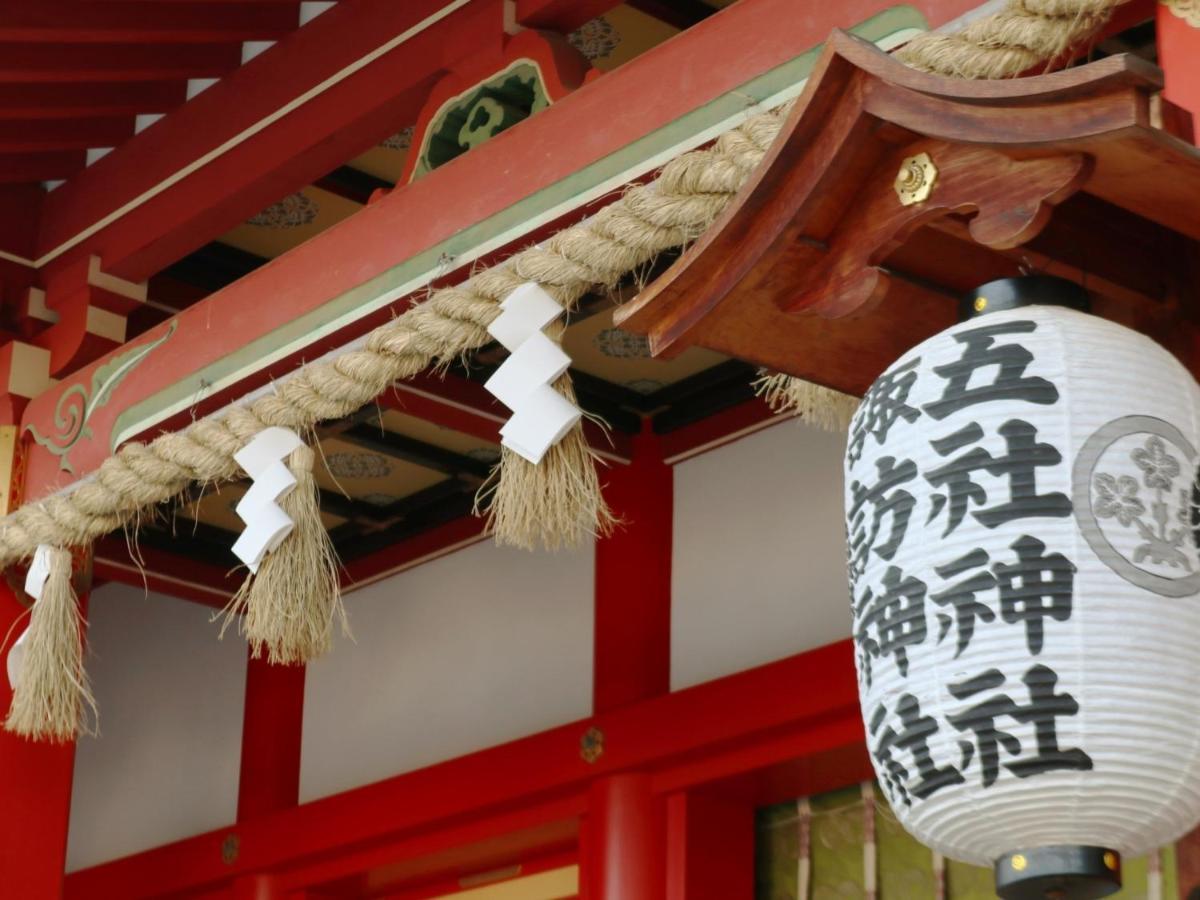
(1026,585)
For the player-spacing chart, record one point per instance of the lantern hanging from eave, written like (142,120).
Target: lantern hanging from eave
(1026,589)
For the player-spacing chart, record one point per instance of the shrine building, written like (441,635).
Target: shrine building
(433,446)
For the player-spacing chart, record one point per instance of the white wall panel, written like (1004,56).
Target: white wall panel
(165,765)
(758,565)
(477,648)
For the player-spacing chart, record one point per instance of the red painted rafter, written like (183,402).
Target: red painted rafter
(420,548)
(17,232)
(64,101)
(71,21)
(115,559)
(24,136)
(265,164)
(59,63)
(181,576)
(21,168)
(720,428)
(759,720)
(206,2)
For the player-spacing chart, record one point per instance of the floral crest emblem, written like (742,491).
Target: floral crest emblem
(1118,497)
(1134,484)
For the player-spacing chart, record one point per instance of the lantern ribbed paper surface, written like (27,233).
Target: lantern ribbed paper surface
(1026,586)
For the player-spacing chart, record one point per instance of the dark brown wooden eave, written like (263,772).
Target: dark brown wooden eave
(817,270)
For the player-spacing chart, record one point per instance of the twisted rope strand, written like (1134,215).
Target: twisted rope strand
(670,212)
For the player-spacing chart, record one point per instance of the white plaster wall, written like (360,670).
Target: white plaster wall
(477,648)
(759,558)
(165,765)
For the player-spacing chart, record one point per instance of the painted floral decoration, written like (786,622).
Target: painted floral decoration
(595,39)
(622,344)
(401,140)
(292,211)
(358,465)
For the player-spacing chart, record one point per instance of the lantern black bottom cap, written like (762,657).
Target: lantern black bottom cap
(1058,873)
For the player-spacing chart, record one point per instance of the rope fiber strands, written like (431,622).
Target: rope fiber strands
(1008,43)
(645,221)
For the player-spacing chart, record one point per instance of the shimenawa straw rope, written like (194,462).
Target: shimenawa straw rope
(558,501)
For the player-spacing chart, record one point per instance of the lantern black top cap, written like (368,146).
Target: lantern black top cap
(1025,290)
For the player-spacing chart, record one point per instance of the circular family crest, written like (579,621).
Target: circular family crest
(1133,485)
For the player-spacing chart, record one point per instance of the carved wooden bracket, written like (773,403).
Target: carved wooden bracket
(1012,199)
(879,165)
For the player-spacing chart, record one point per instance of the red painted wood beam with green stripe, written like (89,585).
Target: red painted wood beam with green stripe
(332,276)
(72,21)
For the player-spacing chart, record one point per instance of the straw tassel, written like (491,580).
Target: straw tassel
(51,695)
(819,406)
(555,504)
(290,605)
(545,491)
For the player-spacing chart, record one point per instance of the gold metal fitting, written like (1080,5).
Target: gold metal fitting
(591,745)
(981,303)
(915,180)
(231,848)
(1019,862)
(1110,860)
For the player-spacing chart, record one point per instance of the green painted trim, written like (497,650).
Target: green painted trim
(77,403)
(773,87)
(422,168)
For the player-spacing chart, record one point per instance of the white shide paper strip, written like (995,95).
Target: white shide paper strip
(524,383)
(266,523)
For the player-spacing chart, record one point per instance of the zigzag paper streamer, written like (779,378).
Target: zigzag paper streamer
(266,523)
(524,383)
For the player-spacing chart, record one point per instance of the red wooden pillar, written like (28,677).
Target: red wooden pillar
(623,841)
(710,847)
(35,782)
(35,777)
(633,582)
(1187,865)
(271,730)
(623,857)
(269,781)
